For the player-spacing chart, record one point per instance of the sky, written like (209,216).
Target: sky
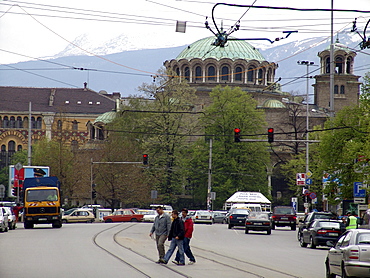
(43,28)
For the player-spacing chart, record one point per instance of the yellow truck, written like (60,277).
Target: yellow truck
(42,202)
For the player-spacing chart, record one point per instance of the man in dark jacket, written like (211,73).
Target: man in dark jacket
(189,227)
(176,237)
(161,228)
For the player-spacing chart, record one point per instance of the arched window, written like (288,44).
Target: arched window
(19,148)
(177,70)
(39,123)
(349,65)
(238,74)
(338,65)
(11,146)
(25,122)
(74,125)
(269,75)
(225,73)
(342,91)
(260,76)
(335,89)
(12,122)
(250,73)
(3,148)
(19,122)
(92,132)
(33,123)
(59,125)
(198,74)
(327,65)
(211,73)
(187,73)
(6,122)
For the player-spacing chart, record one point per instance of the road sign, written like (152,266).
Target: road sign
(301,178)
(308,181)
(294,199)
(314,201)
(358,190)
(306,192)
(309,174)
(306,205)
(313,195)
(18,166)
(359,200)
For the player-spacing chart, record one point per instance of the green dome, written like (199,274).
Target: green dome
(273,103)
(106,118)
(204,49)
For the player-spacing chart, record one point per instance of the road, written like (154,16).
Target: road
(126,250)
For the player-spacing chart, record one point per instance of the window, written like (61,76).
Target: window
(269,75)
(342,89)
(177,70)
(225,73)
(349,65)
(250,74)
(338,65)
(187,73)
(211,73)
(33,123)
(74,145)
(25,122)
(198,73)
(74,125)
(19,148)
(12,122)
(11,146)
(3,148)
(335,89)
(6,122)
(238,74)
(327,65)
(39,123)
(260,76)
(19,122)
(60,125)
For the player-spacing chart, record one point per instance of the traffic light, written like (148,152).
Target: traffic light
(93,194)
(237,135)
(270,135)
(14,191)
(145,159)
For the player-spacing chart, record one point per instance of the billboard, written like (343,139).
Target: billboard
(16,177)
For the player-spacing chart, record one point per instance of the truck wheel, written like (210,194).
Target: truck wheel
(57,224)
(28,225)
(269,231)
(293,227)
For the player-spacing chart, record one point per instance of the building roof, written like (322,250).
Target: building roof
(248,197)
(106,118)
(273,103)
(234,49)
(58,100)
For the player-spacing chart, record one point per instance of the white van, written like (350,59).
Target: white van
(250,207)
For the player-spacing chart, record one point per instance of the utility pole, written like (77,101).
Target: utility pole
(331,80)
(29,149)
(209,207)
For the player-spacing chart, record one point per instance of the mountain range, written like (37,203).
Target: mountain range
(114,72)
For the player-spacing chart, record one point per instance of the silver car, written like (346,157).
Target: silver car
(202,216)
(350,256)
(4,226)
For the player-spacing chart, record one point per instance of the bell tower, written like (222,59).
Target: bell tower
(346,84)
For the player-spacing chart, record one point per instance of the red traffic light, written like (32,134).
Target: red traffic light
(270,135)
(145,159)
(237,135)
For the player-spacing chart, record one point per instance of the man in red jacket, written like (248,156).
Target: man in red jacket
(189,227)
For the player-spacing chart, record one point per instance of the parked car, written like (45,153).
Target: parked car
(283,216)
(202,216)
(69,211)
(4,226)
(320,231)
(219,217)
(350,255)
(237,217)
(79,215)
(12,220)
(258,221)
(310,217)
(149,214)
(124,215)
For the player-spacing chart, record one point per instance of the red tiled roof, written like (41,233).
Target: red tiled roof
(66,100)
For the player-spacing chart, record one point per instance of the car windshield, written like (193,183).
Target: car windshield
(203,213)
(284,211)
(323,216)
(41,195)
(261,216)
(240,211)
(363,238)
(329,225)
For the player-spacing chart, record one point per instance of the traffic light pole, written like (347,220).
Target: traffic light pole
(209,207)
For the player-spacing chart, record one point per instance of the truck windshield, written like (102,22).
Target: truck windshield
(39,195)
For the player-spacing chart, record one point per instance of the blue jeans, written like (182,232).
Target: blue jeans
(187,250)
(180,246)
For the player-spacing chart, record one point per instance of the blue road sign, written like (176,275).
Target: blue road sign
(358,191)
(308,181)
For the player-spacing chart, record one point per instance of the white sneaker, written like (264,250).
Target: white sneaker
(191,262)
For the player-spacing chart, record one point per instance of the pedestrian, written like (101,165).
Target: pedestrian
(161,227)
(366,219)
(176,236)
(16,210)
(351,222)
(189,228)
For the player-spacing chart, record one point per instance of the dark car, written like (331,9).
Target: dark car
(320,231)
(237,217)
(283,216)
(219,217)
(310,217)
(258,221)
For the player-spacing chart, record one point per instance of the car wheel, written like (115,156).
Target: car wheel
(230,226)
(64,221)
(269,231)
(273,226)
(328,272)
(293,227)
(312,244)
(246,231)
(92,220)
(344,274)
(133,220)
(301,242)
(108,220)
(6,229)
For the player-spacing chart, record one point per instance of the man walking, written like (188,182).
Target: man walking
(161,227)
(189,228)
(176,237)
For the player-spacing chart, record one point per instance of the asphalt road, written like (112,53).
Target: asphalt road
(126,250)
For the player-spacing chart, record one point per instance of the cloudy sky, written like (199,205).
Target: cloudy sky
(47,28)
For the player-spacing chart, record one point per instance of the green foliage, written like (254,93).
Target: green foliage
(20,157)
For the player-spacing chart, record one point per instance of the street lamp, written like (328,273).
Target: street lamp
(307,64)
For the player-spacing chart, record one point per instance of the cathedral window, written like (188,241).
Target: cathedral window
(19,122)
(12,122)
(74,125)
(250,73)
(260,76)
(338,65)
(211,73)
(349,65)
(342,91)
(187,73)
(39,123)
(335,89)
(198,73)
(6,122)
(19,148)
(11,146)
(238,74)
(225,73)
